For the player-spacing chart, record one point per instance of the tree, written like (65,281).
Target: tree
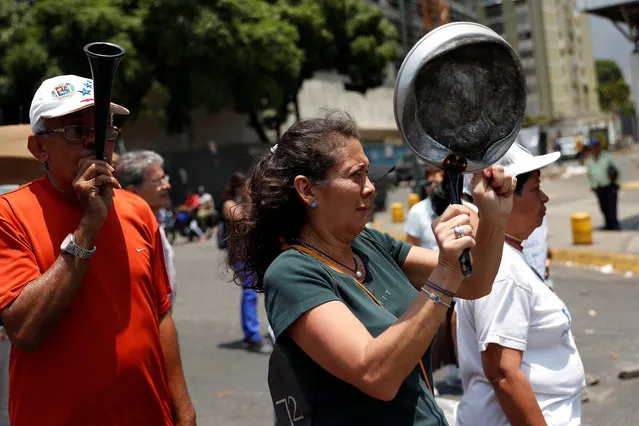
(23,63)
(614,93)
(47,39)
(346,36)
(249,55)
(215,54)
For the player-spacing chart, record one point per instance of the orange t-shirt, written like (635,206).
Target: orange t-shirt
(102,364)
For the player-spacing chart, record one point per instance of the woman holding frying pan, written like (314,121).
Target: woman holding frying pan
(354,311)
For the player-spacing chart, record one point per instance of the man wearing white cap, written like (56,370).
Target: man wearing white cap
(84,294)
(517,355)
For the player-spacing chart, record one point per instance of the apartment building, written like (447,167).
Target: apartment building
(553,41)
(407,17)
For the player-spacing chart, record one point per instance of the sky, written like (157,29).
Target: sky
(607,41)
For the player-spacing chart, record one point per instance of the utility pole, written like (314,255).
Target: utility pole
(434,13)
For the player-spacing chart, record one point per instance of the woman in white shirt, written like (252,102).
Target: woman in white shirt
(517,354)
(421,216)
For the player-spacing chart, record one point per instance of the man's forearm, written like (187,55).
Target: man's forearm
(43,301)
(183,411)
(516,397)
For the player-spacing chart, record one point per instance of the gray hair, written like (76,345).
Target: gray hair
(132,165)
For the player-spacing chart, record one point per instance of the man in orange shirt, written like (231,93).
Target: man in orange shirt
(84,294)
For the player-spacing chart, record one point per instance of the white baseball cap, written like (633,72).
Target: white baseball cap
(63,95)
(517,161)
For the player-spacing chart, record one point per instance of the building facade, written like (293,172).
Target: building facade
(407,17)
(553,41)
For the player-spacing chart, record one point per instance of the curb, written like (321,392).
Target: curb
(396,235)
(630,186)
(621,263)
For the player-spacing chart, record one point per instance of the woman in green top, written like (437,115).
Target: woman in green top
(354,311)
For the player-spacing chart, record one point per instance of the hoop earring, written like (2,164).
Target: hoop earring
(313,205)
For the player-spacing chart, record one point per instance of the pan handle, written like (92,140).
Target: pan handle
(453,169)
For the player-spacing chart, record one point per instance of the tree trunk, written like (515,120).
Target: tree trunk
(296,103)
(255,124)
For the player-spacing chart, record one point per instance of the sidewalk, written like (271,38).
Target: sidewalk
(568,191)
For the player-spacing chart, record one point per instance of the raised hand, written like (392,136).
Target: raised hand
(492,190)
(450,244)
(94,185)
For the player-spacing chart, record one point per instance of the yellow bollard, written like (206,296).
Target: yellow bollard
(412,199)
(581,228)
(397,212)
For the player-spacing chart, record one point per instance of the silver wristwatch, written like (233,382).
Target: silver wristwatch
(69,246)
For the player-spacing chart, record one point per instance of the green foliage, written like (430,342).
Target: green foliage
(614,93)
(249,55)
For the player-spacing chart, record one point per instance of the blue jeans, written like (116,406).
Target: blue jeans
(250,320)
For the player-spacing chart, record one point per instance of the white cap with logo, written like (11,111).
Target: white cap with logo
(517,161)
(63,95)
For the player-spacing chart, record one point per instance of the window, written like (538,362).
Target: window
(498,27)
(518,2)
(526,35)
(493,11)
(524,54)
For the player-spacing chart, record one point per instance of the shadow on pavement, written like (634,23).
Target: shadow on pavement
(234,345)
(630,223)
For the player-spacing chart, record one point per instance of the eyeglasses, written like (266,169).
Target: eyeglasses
(79,132)
(158,182)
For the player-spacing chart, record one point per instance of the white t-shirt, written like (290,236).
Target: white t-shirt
(536,248)
(418,224)
(521,313)
(169,262)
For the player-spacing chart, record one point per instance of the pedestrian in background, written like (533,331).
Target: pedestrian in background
(517,354)
(233,205)
(422,215)
(353,310)
(603,176)
(142,173)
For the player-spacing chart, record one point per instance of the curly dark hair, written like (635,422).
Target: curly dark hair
(274,211)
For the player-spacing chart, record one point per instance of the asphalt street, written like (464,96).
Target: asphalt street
(228,385)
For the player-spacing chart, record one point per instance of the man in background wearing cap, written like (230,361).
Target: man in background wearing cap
(84,294)
(517,355)
(603,176)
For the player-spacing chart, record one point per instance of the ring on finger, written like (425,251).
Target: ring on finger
(459,231)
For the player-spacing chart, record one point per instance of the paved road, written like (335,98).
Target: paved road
(229,388)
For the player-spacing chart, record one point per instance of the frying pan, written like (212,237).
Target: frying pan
(460,99)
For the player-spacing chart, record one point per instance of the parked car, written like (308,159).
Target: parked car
(568,147)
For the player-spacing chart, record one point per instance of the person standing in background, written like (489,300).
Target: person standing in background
(142,173)
(603,177)
(421,216)
(233,211)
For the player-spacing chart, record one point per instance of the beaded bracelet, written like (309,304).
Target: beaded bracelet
(435,298)
(439,289)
